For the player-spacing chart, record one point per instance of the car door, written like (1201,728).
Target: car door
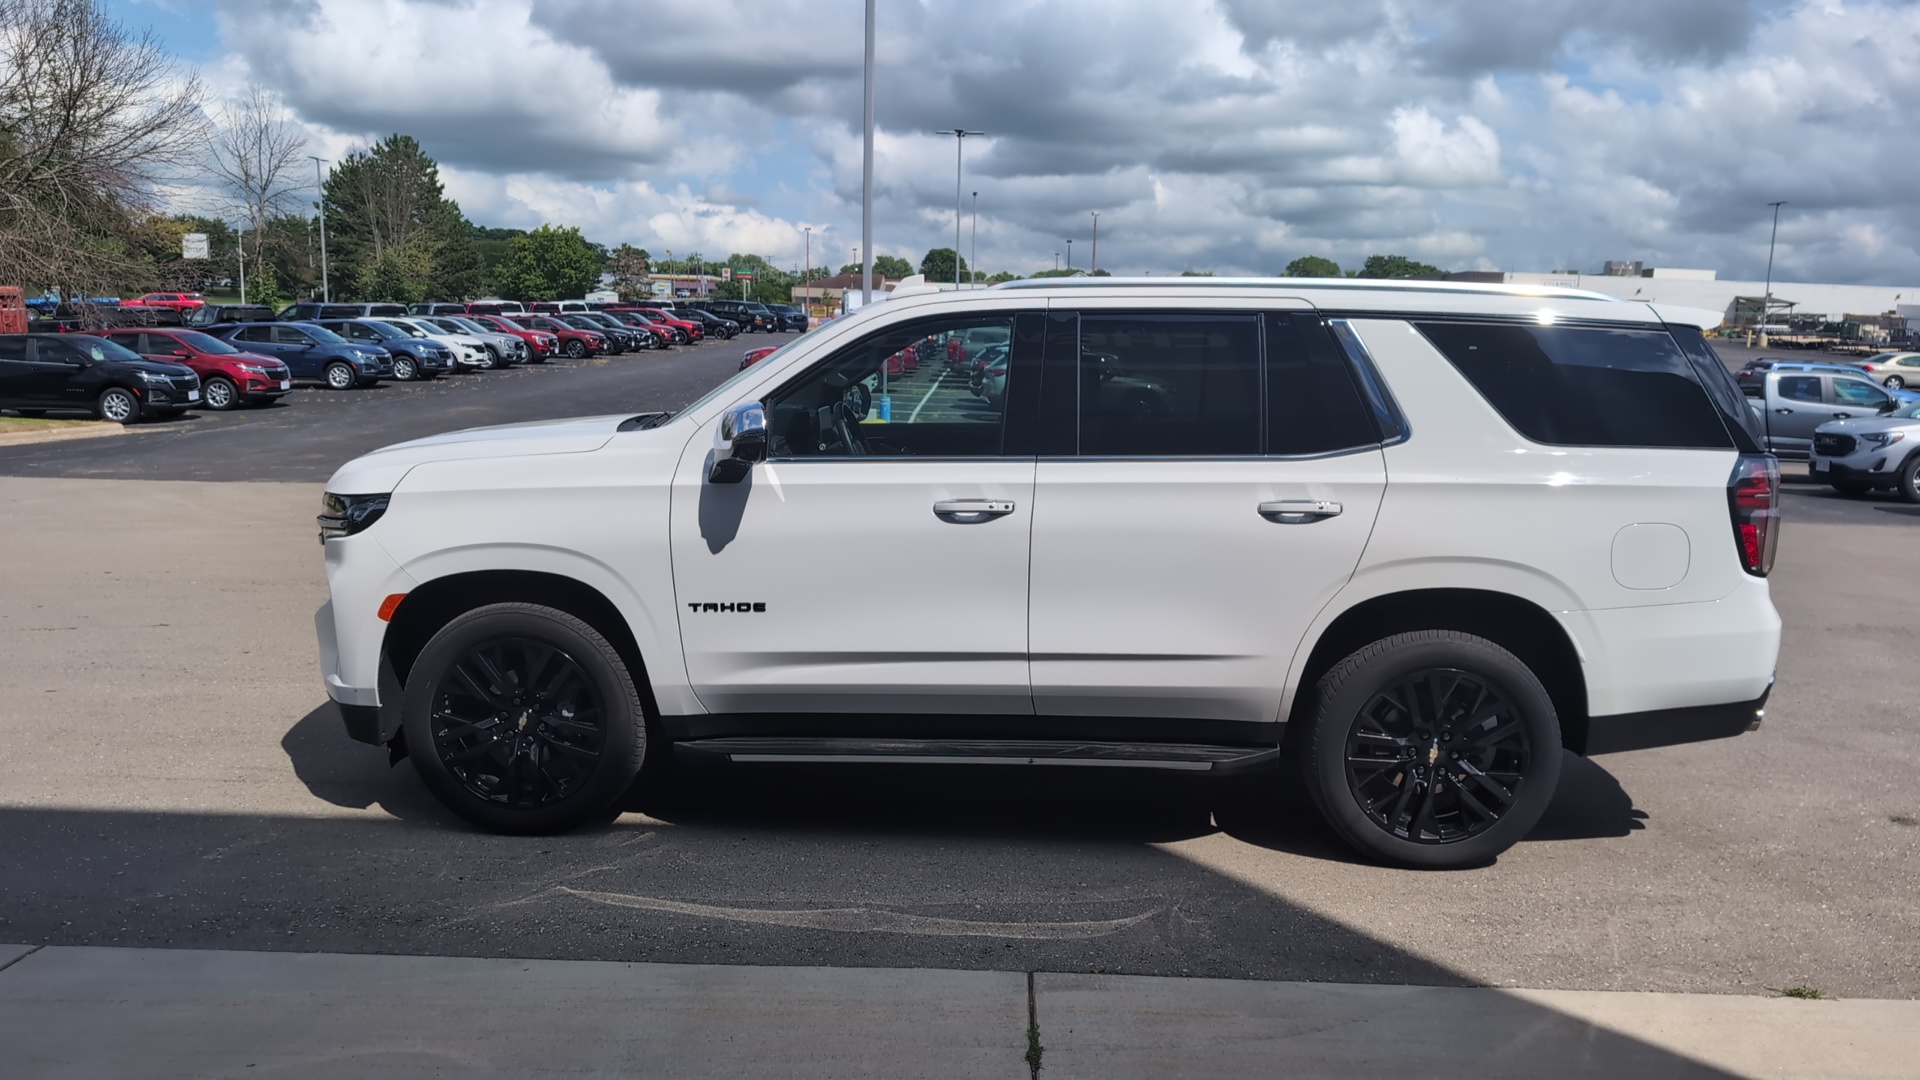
(16,369)
(1195,525)
(864,567)
(1797,406)
(258,338)
(1851,397)
(54,374)
(295,346)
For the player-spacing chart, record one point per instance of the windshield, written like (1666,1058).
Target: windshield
(445,325)
(205,343)
(410,329)
(323,335)
(102,349)
(577,322)
(1911,412)
(471,326)
(386,331)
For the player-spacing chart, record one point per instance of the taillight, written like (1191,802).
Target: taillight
(1753,498)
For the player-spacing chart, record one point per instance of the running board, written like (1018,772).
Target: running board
(1179,757)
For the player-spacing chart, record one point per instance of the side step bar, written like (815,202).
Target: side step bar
(1180,757)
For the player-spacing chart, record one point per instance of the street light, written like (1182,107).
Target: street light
(973,253)
(1766,301)
(959,141)
(866,174)
(326,293)
(1096,242)
(806,275)
(1069,254)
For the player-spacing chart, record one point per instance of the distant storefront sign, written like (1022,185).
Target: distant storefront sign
(194,246)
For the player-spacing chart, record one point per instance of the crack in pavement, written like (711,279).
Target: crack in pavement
(868,920)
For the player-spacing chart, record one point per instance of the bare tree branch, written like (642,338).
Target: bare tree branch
(256,156)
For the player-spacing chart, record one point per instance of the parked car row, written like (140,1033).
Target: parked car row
(1895,370)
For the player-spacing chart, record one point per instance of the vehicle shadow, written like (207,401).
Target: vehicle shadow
(342,772)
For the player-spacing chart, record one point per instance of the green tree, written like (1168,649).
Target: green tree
(1312,266)
(938,265)
(1196,273)
(263,285)
(631,277)
(1395,266)
(389,196)
(403,275)
(549,263)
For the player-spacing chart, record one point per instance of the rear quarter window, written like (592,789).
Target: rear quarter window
(1585,386)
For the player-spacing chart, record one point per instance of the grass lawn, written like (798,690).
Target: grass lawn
(31,423)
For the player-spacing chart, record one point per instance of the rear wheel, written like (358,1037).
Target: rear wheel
(340,376)
(118,405)
(1895,382)
(1435,749)
(523,719)
(220,394)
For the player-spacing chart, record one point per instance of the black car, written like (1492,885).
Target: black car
(413,358)
(716,327)
(789,317)
(632,338)
(750,316)
(623,340)
(222,314)
(40,373)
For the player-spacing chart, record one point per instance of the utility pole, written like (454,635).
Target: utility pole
(1766,301)
(866,177)
(973,255)
(1096,242)
(1056,262)
(1069,254)
(959,141)
(243,267)
(326,292)
(806,275)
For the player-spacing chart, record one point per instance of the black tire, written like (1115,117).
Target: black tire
(1850,487)
(1895,382)
(1909,486)
(1362,739)
(577,349)
(341,376)
(219,394)
(118,404)
(404,369)
(597,682)
(493,360)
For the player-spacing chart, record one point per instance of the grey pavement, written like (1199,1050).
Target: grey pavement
(89,1012)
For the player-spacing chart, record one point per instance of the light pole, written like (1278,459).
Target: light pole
(1069,254)
(959,141)
(326,293)
(866,175)
(1096,242)
(806,275)
(1766,301)
(973,253)
(1056,262)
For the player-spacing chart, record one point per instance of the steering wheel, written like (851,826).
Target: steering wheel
(847,427)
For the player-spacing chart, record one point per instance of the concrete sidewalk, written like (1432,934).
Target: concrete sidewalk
(90,1012)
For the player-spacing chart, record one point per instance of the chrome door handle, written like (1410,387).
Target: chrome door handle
(1299,509)
(971,511)
(1784,412)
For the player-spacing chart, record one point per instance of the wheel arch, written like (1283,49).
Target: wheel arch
(1515,623)
(434,603)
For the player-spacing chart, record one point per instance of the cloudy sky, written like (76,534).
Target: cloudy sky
(1230,135)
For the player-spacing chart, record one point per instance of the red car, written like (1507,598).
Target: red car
(663,335)
(540,344)
(229,378)
(754,356)
(694,331)
(178,301)
(574,341)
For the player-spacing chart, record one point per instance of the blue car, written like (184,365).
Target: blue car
(413,357)
(312,353)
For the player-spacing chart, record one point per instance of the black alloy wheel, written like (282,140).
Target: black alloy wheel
(523,719)
(1435,749)
(220,394)
(577,349)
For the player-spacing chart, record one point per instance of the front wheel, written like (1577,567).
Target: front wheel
(577,349)
(404,369)
(492,362)
(340,376)
(220,394)
(523,719)
(1434,749)
(118,404)
(1909,486)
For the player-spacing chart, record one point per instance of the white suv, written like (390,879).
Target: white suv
(1412,539)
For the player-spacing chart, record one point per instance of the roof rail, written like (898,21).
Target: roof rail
(1356,284)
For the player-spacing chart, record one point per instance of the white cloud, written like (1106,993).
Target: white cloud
(1231,135)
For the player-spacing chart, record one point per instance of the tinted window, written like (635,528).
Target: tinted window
(891,395)
(13,347)
(253,333)
(1855,392)
(291,335)
(1800,388)
(205,343)
(1172,384)
(1712,372)
(1577,386)
(1313,405)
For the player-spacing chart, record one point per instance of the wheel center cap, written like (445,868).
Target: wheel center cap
(1433,752)
(526,717)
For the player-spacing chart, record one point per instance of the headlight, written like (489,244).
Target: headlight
(1883,439)
(155,378)
(344,515)
(251,369)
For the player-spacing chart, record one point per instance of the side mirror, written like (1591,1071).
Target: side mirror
(1889,406)
(744,427)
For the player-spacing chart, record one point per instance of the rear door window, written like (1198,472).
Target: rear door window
(1313,403)
(1800,388)
(1169,385)
(1584,386)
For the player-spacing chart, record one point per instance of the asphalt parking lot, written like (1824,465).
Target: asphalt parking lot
(173,777)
